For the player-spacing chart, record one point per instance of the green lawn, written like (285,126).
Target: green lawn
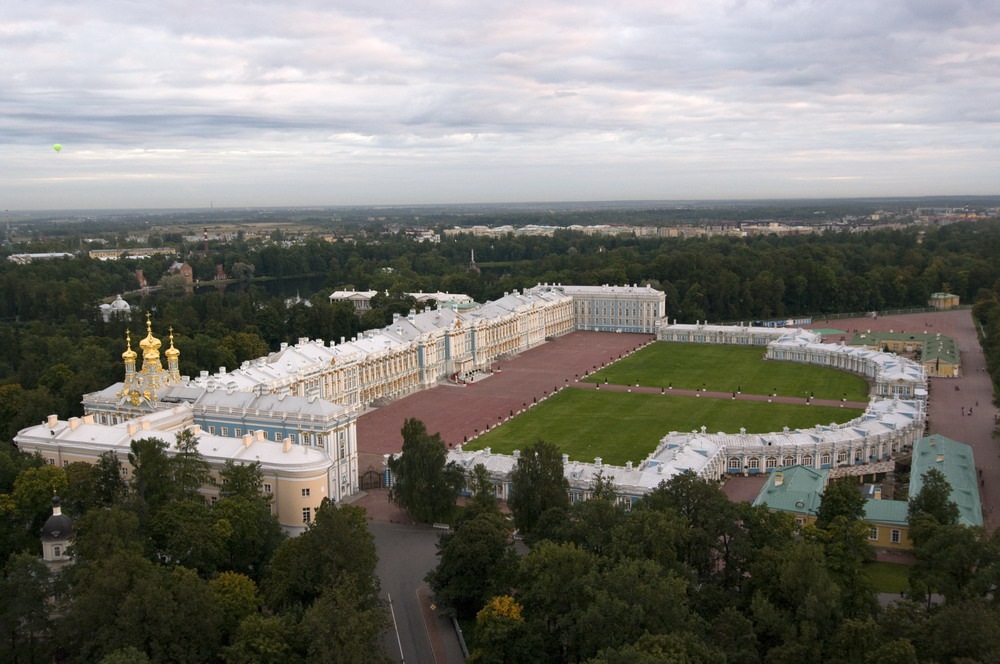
(728,369)
(622,426)
(889,577)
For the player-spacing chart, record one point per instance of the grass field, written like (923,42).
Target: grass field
(888,577)
(728,369)
(622,426)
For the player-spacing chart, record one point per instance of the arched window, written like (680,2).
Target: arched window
(734,463)
(788,461)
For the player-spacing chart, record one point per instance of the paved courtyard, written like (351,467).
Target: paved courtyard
(460,412)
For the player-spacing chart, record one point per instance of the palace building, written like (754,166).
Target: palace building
(294,411)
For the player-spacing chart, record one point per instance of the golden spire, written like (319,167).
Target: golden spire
(150,343)
(129,355)
(172,353)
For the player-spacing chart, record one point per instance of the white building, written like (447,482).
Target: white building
(613,308)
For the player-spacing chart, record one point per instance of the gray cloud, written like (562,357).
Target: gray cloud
(310,102)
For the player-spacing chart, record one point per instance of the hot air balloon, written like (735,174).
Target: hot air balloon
(57,147)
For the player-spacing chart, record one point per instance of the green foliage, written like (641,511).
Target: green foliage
(477,561)
(537,484)
(931,505)
(336,548)
(425,484)
(841,498)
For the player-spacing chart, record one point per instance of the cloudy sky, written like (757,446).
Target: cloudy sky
(190,103)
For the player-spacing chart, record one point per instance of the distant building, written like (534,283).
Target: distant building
(939,355)
(614,308)
(140,252)
(182,269)
(24,259)
(118,308)
(362,300)
(943,301)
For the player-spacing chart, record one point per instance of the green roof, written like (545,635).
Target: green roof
(889,512)
(935,347)
(956,462)
(793,489)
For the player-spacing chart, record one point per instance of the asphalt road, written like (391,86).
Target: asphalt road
(405,554)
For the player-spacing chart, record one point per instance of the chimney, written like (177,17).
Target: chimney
(259,434)
(565,459)
(52,421)
(132,428)
(597,461)
(74,422)
(247,440)
(286,445)
(628,465)
(517,454)
(779,478)
(146,426)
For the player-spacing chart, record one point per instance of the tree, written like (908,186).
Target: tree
(933,501)
(152,479)
(190,470)
(477,561)
(424,482)
(25,612)
(344,627)
(337,547)
(841,497)
(502,636)
(537,484)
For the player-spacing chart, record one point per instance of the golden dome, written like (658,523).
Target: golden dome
(150,345)
(172,353)
(129,355)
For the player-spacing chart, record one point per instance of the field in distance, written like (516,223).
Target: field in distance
(689,366)
(624,426)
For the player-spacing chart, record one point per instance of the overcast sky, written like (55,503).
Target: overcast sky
(169,103)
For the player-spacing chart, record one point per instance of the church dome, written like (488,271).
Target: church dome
(150,345)
(58,526)
(172,353)
(129,355)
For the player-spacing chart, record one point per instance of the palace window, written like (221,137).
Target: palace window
(788,461)
(237,432)
(873,534)
(306,514)
(57,551)
(305,493)
(895,536)
(225,432)
(825,459)
(734,463)
(754,463)
(267,488)
(211,430)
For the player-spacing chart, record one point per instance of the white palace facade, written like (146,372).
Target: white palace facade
(294,411)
